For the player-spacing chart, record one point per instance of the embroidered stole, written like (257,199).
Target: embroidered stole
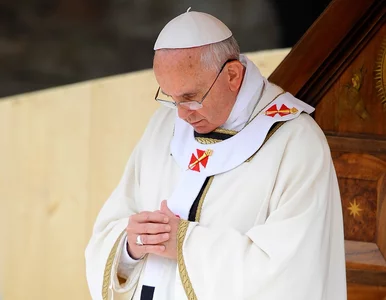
(203,156)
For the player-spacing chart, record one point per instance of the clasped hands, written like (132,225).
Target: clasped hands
(158,232)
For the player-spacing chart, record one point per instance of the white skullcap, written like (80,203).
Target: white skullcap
(192,29)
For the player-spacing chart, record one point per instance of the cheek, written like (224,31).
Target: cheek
(218,111)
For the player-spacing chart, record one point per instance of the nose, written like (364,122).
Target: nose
(183,112)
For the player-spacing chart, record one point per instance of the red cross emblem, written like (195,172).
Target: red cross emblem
(283,111)
(202,158)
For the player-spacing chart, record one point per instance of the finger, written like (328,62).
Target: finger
(165,209)
(148,216)
(154,249)
(151,228)
(154,239)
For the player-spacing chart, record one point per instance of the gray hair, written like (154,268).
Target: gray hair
(214,55)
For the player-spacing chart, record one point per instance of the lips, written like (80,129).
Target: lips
(195,123)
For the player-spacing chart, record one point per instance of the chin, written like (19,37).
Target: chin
(203,129)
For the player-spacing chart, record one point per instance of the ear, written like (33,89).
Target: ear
(235,71)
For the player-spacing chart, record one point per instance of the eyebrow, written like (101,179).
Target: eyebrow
(189,94)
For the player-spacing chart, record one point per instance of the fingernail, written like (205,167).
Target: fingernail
(167,227)
(165,236)
(166,220)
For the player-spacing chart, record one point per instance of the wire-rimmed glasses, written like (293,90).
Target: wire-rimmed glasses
(191,104)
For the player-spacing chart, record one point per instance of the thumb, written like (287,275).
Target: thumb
(165,209)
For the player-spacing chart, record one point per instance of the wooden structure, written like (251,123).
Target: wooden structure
(339,67)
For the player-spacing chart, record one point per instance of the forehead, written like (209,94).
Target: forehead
(178,71)
(177,60)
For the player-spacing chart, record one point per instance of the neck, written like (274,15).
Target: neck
(247,96)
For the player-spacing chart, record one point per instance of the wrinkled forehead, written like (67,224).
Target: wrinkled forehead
(187,60)
(178,67)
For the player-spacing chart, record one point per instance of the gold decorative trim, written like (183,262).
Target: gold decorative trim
(108,268)
(226,131)
(380,81)
(207,141)
(181,233)
(187,284)
(201,201)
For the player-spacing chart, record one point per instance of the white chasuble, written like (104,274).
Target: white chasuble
(268,224)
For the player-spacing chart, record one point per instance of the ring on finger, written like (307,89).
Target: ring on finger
(139,241)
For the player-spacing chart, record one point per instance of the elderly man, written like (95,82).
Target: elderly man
(231,192)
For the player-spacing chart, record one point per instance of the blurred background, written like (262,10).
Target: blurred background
(46,43)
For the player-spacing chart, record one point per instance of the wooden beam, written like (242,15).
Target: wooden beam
(362,255)
(321,54)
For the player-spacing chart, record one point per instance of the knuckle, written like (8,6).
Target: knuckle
(146,228)
(156,227)
(134,217)
(129,229)
(143,214)
(141,228)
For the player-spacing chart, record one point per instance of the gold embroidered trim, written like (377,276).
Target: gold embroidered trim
(226,131)
(201,201)
(274,129)
(181,233)
(108,268)
(206,141)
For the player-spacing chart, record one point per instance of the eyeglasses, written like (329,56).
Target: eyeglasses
(192,104)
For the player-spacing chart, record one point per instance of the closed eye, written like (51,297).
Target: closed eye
(189,96)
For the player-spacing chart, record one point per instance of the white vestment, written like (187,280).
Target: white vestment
(268,228)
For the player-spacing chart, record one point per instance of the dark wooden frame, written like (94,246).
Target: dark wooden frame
(308,74)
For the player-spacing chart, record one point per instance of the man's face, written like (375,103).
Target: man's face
(181,76)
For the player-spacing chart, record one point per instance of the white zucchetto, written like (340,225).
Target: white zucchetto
(192,29)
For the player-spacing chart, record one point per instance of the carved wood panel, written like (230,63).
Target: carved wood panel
(362,181)
(362,178)
(356,102)
(359,202)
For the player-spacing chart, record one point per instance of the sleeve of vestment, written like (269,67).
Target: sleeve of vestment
(104,261)
(288,255)
(126,260)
